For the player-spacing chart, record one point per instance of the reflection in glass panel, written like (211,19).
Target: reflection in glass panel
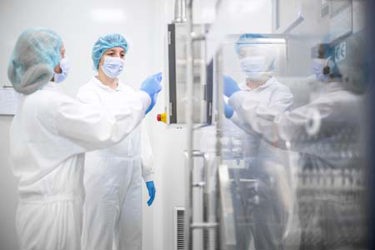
(294,145)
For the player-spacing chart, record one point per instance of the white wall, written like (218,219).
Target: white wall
(8,193)
(74,22)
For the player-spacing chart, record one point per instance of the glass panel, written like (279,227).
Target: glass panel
(294,143)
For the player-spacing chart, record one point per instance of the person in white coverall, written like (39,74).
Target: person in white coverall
(112,214)
(335,105)
(48,138)
(328,134)
(263,162)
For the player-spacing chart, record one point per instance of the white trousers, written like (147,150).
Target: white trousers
(112,211)
(49,224)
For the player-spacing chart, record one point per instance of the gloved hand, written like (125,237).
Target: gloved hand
(152,86)
(151,192)
(230,86)
(228,110)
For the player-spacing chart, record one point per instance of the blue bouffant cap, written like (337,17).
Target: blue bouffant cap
(245,39)
(104,43)
(36,53)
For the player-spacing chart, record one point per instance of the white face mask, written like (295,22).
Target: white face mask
(112,66)
(318,69)
(65,68)
(253,66)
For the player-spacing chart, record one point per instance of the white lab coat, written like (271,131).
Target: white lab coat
(327,132)
(265,163)
(112,217)
(248,104)
(329,128)
(48,137)
(333,109)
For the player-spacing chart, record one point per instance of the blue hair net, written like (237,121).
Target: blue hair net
(104,43)
(245,39)
(36,53)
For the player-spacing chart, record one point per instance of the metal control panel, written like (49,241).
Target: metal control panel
(202,79)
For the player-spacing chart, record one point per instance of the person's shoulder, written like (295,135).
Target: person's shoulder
(46,101)
(84,89)
(91,84)
(87,88)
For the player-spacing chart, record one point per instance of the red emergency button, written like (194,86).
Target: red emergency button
(162,117)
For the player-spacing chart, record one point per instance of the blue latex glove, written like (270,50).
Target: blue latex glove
(228,110)
(152,86)
(230,86)
(151,192)
(153,102)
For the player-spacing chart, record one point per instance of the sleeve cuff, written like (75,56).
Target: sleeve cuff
(146,100)
(148,177)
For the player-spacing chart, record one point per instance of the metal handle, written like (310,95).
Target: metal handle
(180,11)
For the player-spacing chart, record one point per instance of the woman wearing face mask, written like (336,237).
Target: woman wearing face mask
(260,86)
(48,136)
(263,161)
(113,176)
(61,73)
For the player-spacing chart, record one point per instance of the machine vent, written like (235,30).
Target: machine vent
(179,228)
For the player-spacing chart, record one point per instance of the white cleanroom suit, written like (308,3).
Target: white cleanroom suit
(112,214)
(48,137)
